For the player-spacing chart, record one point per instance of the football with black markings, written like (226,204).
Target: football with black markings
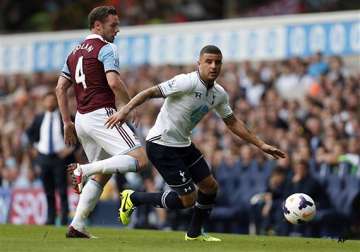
(299,208)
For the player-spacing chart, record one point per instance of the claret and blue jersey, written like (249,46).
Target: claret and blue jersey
(86,67)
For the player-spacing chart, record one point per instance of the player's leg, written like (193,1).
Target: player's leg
(92,189)
(169,162)
(90,194)
(120,142)
(207,190)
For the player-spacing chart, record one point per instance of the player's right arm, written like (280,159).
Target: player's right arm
(62,86)
(140,98)
(178,85)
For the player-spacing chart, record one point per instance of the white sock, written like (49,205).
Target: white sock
(87,202)
(118,163)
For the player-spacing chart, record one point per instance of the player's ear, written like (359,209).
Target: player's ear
(97,24)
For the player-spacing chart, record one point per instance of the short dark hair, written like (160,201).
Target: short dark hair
(210,49)
(99,14)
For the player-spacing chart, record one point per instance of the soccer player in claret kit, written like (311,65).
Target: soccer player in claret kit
(188,98)
(92,68)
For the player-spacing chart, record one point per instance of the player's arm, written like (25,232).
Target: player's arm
(140,98)
(108,55)
(238,128)
(119,89)
(61,94)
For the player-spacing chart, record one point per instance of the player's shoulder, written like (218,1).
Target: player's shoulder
(109,48)
(219,88)
(183,78)
(184,75)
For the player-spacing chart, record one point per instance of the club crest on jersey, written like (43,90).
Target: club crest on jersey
(198,95)
(212,99)
(182,174)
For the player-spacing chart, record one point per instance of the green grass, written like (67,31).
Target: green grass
(47,238)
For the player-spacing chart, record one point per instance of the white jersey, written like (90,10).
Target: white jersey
(187,101)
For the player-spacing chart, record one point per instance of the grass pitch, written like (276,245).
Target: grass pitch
(47,238)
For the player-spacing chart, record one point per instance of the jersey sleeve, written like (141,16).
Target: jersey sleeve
(179,84)
(223,109)
(65,72)
(109,56)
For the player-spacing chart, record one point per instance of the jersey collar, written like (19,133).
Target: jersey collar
(203,82)
(95,36)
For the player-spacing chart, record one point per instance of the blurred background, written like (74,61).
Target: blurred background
(292,70)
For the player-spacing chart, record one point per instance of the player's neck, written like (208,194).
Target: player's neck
(93,31)
(208,83)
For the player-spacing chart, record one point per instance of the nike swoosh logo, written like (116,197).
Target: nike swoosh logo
(124,208)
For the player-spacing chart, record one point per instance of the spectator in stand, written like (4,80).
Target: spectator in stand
(317,65)
(302,181)
(271,211)
(46,135)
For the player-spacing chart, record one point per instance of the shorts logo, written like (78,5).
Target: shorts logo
(182,174)
(187,189)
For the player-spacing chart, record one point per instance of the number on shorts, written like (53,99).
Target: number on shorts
(79,73)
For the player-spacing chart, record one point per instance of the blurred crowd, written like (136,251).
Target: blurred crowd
(309,107)
(53,15)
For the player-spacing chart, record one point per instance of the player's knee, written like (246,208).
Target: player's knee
(143,163)
(141,158)
(101,179)
(188,200)
(208,185)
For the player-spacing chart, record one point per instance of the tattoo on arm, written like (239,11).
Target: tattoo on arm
(140,98)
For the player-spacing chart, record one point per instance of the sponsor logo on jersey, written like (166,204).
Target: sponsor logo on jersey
(171,83)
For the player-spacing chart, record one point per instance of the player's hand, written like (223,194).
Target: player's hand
(70,137)
(273,151)
(118,117)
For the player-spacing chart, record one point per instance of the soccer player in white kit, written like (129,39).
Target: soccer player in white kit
(188,98)
(92,68)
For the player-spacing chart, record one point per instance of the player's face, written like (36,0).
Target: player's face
(210,66)
(110,28)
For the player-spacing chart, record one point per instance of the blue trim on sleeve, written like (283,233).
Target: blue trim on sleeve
(108,55)
(66,70)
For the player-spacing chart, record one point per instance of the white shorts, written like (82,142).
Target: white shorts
(100,142)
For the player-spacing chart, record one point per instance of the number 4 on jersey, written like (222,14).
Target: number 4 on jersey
(79,73)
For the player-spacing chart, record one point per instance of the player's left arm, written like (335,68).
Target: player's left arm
(119,89)
(108,55)
(238,128)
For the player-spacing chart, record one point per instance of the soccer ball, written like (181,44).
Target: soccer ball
(299,208)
